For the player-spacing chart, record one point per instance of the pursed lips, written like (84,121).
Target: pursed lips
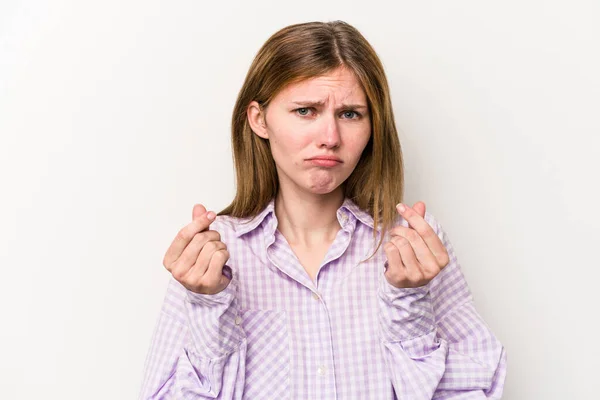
(325,161)
(329,158)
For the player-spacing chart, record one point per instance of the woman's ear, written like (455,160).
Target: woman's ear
(256,119)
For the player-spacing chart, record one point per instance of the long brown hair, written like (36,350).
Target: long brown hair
(303,51)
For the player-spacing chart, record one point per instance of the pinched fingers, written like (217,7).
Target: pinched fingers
(206,276)
(422,232)
(183,238)
(206,254)
(404,268)
(189,257)
(420,254)
(215,268)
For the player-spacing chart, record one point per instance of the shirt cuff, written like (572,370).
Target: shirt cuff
(214,321)
(404,313)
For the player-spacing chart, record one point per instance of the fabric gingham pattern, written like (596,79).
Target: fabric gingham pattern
(273,333)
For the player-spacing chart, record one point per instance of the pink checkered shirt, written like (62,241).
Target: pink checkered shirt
(273,333)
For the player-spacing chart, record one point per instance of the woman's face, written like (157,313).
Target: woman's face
(325,116)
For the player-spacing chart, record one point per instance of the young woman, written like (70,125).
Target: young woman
(312,283)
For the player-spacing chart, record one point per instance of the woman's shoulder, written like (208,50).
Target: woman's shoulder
(225,225)
(233,227)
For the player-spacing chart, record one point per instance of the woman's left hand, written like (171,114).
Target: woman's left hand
(415,256)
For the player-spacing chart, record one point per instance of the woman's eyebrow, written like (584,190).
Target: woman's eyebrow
(310,103)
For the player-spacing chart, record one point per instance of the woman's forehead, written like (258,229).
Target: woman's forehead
(341,84)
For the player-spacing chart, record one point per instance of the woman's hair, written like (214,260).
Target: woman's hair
(302,51)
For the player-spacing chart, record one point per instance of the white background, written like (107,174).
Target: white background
(114,121)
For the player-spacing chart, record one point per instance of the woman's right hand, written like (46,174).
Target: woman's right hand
(197,256)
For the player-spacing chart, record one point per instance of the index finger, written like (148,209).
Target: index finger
(425,230)
(185,236)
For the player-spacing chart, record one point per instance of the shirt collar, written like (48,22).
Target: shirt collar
(249,224)
(349,208)
(347,215)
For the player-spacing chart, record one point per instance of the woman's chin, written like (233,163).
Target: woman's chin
(323,189)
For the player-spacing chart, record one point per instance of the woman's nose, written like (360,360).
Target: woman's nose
(329,134)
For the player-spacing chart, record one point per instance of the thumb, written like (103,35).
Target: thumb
(419,207)
(198,211)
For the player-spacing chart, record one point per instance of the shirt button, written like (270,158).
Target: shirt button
(238,320)
(321,370)
(315,296)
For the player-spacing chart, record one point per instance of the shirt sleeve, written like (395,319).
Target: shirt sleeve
(198,348)
(436,345)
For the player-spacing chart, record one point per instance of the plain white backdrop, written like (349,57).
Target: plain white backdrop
(115,118)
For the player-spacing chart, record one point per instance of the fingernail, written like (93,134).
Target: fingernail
(210,215)
(401,207)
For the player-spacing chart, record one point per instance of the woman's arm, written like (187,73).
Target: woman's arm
(435,343)
(198,351)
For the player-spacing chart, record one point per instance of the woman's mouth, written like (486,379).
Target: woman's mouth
(325,161)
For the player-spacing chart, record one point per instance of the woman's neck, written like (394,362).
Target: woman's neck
(308,221)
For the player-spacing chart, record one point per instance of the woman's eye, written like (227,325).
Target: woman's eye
(350,114)
(302,111)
